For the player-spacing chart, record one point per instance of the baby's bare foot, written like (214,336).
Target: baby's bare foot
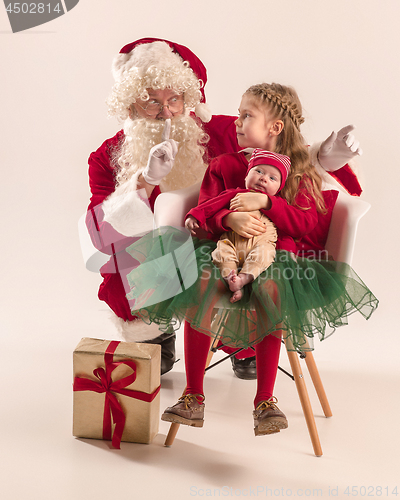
(236,296)
(234,281)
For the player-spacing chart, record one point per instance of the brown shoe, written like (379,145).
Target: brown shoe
(187,411)
(268,418)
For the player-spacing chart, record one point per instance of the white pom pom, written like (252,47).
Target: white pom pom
(203,111)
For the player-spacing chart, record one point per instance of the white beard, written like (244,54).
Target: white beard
(141,134)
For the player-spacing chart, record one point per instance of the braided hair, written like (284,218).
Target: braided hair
(283,103)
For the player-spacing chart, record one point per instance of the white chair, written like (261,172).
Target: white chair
(342,233)
(170,210)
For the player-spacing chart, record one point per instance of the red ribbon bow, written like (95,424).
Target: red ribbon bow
(111,405)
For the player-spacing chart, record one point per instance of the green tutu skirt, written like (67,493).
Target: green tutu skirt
(296,298)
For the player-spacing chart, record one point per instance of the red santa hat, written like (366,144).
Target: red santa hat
(281,162)
(148,58)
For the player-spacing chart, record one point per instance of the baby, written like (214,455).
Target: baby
(239,259)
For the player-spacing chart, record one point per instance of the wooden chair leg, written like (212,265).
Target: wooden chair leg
(304,400)
(316,379)
(173,429)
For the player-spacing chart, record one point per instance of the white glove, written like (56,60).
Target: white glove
(338,149)
(161,158)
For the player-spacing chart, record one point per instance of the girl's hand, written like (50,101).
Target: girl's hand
(191,225)
(244,224)
(248,202)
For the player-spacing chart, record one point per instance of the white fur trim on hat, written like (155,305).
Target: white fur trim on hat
(120,65)
(126,211)
(143,57)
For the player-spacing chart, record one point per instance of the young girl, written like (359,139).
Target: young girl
(296,297)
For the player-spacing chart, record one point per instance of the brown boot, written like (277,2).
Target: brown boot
(268,418)
(187,411)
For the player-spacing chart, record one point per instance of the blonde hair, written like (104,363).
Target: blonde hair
(284,104)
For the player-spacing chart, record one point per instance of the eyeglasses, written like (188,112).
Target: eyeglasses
(154,108)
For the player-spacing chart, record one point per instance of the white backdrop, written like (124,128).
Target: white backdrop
(342,57)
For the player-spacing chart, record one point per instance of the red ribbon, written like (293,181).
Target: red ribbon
(112,407)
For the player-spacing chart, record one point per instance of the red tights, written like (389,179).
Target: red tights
(196,349)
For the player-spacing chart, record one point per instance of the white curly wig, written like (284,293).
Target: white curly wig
(158,66)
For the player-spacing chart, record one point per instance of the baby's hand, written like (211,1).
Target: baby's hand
(191,225)
(249,202)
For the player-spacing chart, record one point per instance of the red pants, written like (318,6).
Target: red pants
(196,349)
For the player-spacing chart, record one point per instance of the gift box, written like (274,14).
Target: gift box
(116,391)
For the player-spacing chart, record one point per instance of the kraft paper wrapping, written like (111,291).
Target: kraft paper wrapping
(142,418)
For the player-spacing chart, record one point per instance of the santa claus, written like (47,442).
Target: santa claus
(168,138)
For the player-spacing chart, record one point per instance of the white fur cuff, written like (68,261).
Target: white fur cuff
(137,330)
(127,212)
